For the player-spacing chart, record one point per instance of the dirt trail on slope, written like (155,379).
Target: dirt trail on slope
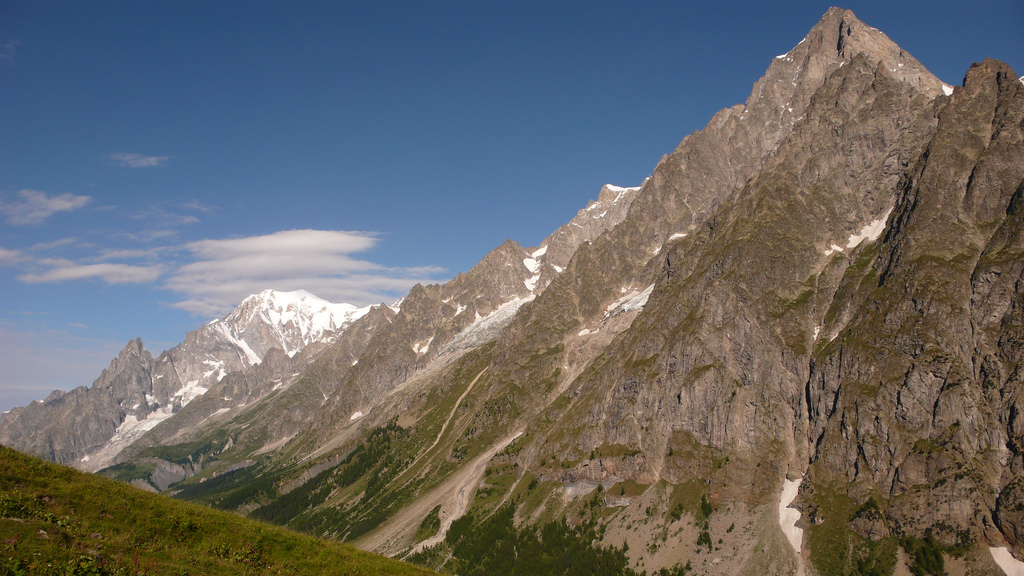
(454,408)
(444,427)
(454,496)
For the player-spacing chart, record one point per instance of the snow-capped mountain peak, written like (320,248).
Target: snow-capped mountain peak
(299,317)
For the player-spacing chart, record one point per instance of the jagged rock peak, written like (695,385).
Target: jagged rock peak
(840,32)
(132,352)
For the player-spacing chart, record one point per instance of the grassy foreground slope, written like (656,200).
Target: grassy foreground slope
(57,520)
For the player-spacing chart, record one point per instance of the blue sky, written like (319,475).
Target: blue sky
(160,160)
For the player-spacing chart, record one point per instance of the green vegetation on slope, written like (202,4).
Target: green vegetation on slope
(494,546)
(57,520)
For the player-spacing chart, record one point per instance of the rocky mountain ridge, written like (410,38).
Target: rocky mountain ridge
(794,349)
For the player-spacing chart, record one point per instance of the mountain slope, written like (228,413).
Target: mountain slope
(55,517)
(794,349)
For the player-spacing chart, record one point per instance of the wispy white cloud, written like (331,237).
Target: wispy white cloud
(165,218)
(320,261)
(43,246)
(10,257)
(197,206)
(151,235)
(109,272)
(151,254)
(131,160)
(34,206)
(213,276)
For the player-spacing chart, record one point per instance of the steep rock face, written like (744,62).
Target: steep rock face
(720,354)
(918,396)
(707,168)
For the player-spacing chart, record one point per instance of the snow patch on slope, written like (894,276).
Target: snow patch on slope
(1010,565)
(487,327)
(870,232)
(635,300)
(130,430)
(190,392)
(789,516)
(421,348)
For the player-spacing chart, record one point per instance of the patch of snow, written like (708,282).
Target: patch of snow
(459,309)
(190,392)
(531,282)
(678,235)
(620,189)
(221,411)
(601,215)
(1010,565)
(870,232)
(127,432)
(789,516)
(816,331)
(539,252)
(583,332)
(947,89)
(151,399)
(833,248)
(355,416)
(422,348)
(354,362)
(487,327)
(635,300)
(657,251)
(216,367)
(531,264)
(558,269)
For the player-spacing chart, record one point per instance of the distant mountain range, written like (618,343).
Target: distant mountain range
(797,348)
